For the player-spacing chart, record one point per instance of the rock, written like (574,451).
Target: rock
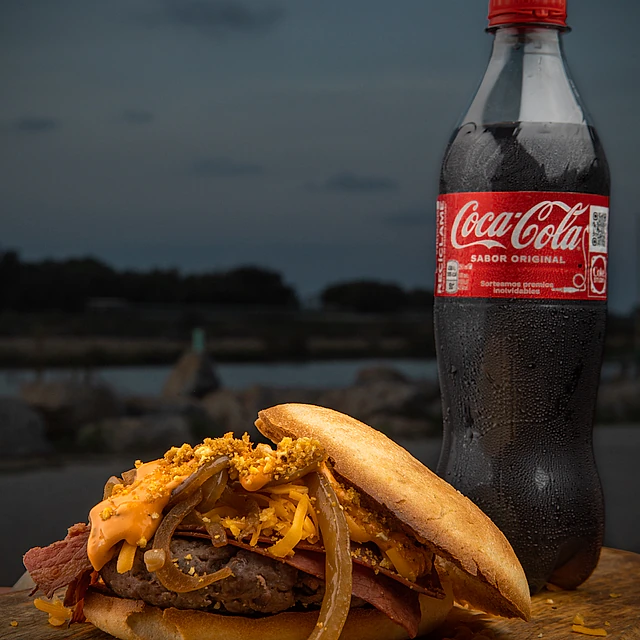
(136,436)
(201,422)
(193,376)
(237,411)
(259,397)
(228,411)
(143,405)
(68,404)
(380,396)
(389,401)
(22,430)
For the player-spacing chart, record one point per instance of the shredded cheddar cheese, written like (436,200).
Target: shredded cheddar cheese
(278,507)
(588,631)
(58,613)
(400,562)
(285,545)
(126,557)
(132,512)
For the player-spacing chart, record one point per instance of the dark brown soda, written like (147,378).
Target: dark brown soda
(519,377)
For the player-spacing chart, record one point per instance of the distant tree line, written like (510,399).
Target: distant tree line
(68,286)
(367,296)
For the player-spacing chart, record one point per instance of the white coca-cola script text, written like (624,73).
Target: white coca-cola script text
(538,227)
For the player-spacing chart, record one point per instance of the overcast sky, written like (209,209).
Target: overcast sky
(301,135)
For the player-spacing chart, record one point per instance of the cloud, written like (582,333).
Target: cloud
(31,124)
(222,167)
(217,17)
(137,116)
(346,181)
(416,217)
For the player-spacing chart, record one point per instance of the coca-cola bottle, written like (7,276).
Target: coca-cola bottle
(521,295)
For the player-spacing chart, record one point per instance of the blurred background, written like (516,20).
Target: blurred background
(211,206)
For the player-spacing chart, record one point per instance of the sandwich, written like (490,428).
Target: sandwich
(333,532)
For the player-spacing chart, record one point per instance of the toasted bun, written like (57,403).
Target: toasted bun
(486,574)
(135,620)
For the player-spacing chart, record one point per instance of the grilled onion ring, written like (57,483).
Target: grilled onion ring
(187,487)
(215,530)
(295,475)
(335,537)
(128,477)
(171,577)
(212,490)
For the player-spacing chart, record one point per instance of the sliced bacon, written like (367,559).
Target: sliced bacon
(76,591)
(77,588)
(399,604)
(428,584)
(61,563)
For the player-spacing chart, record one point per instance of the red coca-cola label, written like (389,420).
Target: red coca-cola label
(525,244)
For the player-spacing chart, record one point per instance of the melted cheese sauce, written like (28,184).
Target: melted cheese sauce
(132,513)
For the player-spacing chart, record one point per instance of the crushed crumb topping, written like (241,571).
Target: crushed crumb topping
(107,512)
(289,456)
(252,465)
(245,461)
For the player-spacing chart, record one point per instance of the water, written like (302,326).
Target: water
(316,375)
(150,380)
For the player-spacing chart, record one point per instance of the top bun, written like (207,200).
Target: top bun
(484,569)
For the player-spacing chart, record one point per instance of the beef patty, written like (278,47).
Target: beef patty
(258,584)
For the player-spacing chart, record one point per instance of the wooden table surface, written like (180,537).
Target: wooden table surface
(609,600)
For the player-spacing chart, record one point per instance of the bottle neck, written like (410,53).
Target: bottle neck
(527,80)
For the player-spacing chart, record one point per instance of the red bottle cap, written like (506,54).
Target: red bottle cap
(527,12)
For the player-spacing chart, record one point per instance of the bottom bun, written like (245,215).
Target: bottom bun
(135,620)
